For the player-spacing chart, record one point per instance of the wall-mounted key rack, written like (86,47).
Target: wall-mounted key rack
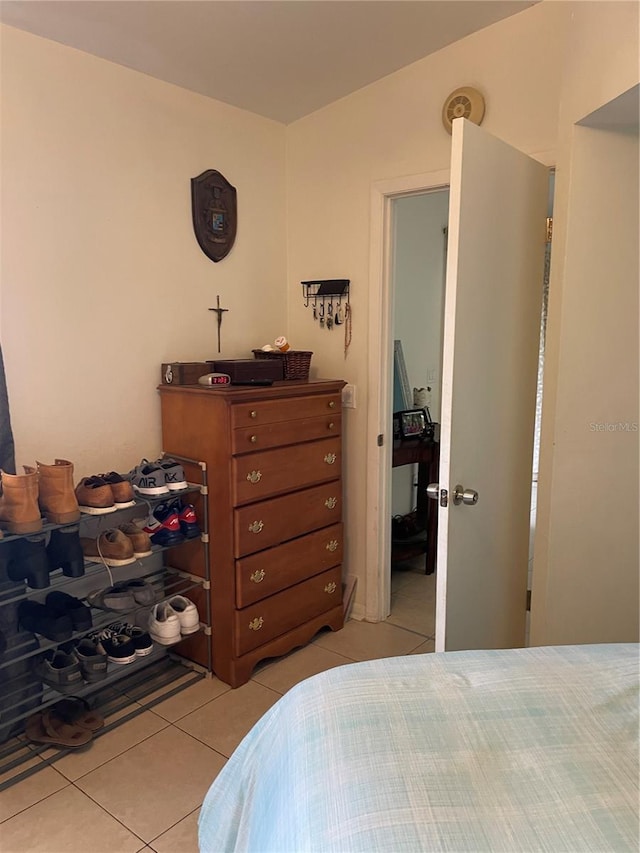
(325,297)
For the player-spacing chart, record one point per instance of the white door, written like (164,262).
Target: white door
(493,299)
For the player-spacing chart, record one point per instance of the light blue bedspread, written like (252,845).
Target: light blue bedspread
(501,751)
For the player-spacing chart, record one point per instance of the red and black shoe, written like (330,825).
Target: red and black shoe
(163,526)
(188,519)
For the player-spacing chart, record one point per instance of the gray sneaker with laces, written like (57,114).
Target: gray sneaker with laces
(148,478)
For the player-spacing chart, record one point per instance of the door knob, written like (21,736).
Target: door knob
(464,496)
(433,491)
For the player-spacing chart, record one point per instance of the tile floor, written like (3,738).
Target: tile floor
(140,786)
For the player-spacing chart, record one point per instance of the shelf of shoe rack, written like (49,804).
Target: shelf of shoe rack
(138,686)
(145,684)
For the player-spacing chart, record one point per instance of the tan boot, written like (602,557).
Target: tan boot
(57,496)
(19,502)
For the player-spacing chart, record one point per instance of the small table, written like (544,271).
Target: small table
(426,454)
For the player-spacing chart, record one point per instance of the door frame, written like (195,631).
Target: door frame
(380,379)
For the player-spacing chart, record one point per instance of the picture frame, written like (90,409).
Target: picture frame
(401,389)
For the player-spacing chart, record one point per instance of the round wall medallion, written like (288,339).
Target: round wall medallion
(463,103)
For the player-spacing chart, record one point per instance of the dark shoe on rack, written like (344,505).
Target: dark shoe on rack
(115,598)
(188,519)
(39,619)
(29,562)
(7,550)
(163,526)
(61,604)
(92,660)
(141,639)
(65,551)
(76,711)
(59,670)
(119,648)
(143,592)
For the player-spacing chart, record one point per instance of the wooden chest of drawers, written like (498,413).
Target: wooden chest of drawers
(274,468)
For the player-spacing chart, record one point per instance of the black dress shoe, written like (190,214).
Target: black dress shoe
(65,551)
(40,619)
(61,604)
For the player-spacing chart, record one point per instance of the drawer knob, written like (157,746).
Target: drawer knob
(332,545)
(254,476)
(330,503)
(253,439)
(256,527)
(331,425)
(332,404)
(257,576)
(330,588)
(330,458)
(253,414)
(256,623)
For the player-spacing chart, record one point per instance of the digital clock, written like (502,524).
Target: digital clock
(216,379)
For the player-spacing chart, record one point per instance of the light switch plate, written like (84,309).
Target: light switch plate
(349,397)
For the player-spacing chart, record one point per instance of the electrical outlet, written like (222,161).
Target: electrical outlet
(349,397)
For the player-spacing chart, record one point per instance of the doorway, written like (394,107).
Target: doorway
(419,226)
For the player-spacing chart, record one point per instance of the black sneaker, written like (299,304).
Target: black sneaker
(61,604)
(117,647)
(39,619)
(142,641)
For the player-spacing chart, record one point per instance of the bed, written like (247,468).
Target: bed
(509,750)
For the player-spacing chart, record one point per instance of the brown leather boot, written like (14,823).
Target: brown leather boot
(57,496)
(19,502)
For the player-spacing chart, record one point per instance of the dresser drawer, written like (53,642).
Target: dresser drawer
(277,411)
(272,472)
(271,522)
(270,571)
(261,622)
(264,436)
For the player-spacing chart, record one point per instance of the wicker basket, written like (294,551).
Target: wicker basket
(295,362)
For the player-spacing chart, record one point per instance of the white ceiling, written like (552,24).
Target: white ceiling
(279,58)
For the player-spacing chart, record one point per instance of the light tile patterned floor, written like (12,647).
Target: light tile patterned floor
(140,787)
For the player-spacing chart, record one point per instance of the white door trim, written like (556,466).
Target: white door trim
(378,546)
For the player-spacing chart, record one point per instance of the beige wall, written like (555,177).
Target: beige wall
(390,129)
(585,578)
(102,279)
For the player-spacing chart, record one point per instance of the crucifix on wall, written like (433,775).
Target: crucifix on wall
(219,311)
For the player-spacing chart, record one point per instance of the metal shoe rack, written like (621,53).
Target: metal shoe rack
(127,690)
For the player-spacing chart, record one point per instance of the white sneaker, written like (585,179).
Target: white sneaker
(187,613)
(164,625)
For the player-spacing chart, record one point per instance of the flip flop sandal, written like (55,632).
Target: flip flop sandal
(46,728)
(77,712)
